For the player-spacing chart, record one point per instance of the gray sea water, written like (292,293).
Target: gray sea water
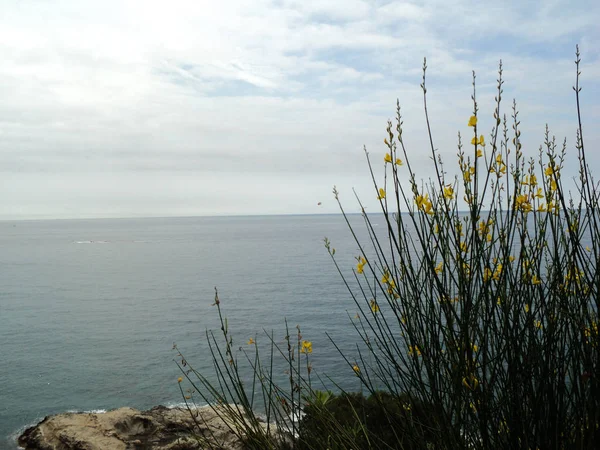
(90,309)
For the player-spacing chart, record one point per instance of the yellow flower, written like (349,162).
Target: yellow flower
(539,193)
(484,227)
(399,162)
(387,158)
(250,341)
(448,192)
(479,141)
(413,350)
(479,153)
(522,203)
(537,324)
(386,277)
(374,306)
(306,347)
(179,380)
(497,272)
(472,121)
(424,204)
(360,267)
(356,369)
(592,330)
(381,194)
(530,180)
(463,247)
(467,173)
(487,274)
(470,383)
(526,307)
(535,280)
(439,267)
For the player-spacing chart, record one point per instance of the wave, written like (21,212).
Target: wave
(14,436)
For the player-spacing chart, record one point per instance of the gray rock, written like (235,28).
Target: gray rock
(159,428)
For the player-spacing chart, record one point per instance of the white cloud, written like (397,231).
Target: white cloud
(146,108)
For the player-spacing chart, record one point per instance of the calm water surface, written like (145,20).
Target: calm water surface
(90,309)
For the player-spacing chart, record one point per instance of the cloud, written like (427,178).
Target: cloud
(146,108)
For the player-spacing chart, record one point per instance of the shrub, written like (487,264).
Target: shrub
(489,314)
(351,420)
(478,308)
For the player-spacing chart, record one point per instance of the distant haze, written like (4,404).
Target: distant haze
(146,108)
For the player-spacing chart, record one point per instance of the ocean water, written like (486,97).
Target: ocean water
(90,309)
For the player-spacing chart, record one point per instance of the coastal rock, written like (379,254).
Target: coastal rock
(159,428)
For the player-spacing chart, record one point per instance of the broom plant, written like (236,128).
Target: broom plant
(477,307)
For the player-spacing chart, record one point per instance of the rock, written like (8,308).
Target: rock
(159,428)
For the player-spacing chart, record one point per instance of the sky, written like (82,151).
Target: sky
(187,108)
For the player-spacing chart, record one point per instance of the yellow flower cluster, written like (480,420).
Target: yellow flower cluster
(479,141)
(414,350)
(573,276)
(530,180)
(360,267)
(374,306)
(499,168)
(591,331)
(468,171)
(471,382)
(424,204)
(388,159)
(522,203)
(448,192)
(484,229)
(391,285)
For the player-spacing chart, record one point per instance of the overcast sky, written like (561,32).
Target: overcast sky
(181,108)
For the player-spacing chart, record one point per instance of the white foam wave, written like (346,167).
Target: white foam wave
(173,405)
(13,437)
(91,411)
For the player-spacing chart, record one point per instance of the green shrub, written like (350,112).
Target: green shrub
(378,421)
(477,308)
(482,298)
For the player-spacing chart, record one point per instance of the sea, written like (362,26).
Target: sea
(90,309)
